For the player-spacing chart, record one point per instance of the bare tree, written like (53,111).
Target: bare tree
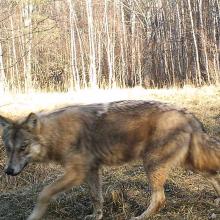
(72,44)
(2,72)
(27,10)
(92,53)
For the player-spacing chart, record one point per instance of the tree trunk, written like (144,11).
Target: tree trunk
(198,72)
(2,72)
(92,53)
(27,11)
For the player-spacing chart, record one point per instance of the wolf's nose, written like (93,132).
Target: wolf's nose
(9,171)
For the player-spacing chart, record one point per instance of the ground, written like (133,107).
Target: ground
(125,188)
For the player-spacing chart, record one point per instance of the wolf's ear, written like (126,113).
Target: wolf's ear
(4,122)
(32,122)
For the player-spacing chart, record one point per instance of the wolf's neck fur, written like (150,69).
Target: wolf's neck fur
(57,137)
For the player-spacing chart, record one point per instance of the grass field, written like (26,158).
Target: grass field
(125,190)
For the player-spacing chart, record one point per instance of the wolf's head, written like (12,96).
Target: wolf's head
(21,142)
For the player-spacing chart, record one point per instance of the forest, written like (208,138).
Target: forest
(62,45)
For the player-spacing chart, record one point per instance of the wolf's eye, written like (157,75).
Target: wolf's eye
(23,147)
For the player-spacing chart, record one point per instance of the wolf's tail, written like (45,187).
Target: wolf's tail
(204,153)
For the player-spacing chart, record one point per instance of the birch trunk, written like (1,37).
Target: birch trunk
(73,55)
(2,72)
(198,72)
(92,54)
(15,60)
(27,11)
(203,43)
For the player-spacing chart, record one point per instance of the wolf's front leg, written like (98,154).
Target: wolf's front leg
(64,183)
(94,181)
(215,180)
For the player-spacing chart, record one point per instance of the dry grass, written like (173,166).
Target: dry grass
(125,190)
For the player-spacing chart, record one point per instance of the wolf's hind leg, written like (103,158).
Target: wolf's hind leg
(94,181)
(157,165)
(156,178)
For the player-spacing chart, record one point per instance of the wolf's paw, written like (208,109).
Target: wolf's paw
(92,217)
(217,201)
(136,218)
(89,217)
(96,216)
(33,216)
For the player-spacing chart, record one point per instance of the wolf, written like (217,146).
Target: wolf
(83,138)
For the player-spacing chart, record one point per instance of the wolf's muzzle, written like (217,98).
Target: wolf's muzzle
(10,171)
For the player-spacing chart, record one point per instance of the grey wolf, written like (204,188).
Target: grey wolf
(83,138)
